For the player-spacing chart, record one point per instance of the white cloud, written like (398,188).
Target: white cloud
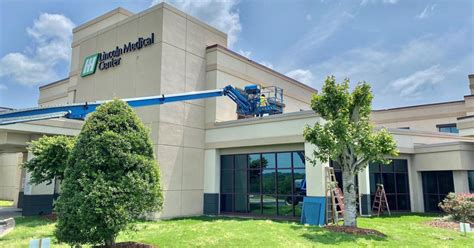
(304,76)
(414,84)
(267,64)
(51,36)
(221,14)
(246,54)
(427,12)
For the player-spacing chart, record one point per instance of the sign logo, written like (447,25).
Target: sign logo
(106,60)
(90,63)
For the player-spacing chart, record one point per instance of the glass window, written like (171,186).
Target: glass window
(268,181)
(254,181)
(240,181)
(298,159)
(269,205)
(240,162)
(268,161)
(436,184)
(227,162)
(254,184)
(241,202)
(284,182)
(400,165)
(394,178)
(254,161)
(226,203)
(448,128)
(255,204)
(285,205)
(374,167)
(470,176)
(284,160)
(227,182)
(446,184)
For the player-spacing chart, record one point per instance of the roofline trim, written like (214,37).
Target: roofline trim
(217,46)
(420,105)
(102,17)
(53,83)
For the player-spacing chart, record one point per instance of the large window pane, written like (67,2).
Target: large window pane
(298,159)
(255,204)
(226,203)
(402,183)
(285,205)
(388,180)
(269,182)
(284,160)
(446,184)
(254,161)
(240,181)
(226,181)
(254,181)
(284,181)
(269,205)
(268,161)
(387,167)
(374,167)
(400,165)
(240,162)
(403,202)
(241,203)
(470,176)
(430,183)
(227,162)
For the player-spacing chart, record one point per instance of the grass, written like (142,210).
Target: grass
(6,203)
(401,231)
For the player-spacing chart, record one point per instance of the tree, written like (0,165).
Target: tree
(348,137)
(50,158)
(111,179)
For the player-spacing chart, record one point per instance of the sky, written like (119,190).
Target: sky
(411,51)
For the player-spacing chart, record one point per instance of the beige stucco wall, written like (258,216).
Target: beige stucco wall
(421,118)
(10,175)
(225,67)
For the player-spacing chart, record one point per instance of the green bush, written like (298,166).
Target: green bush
(50,158)
(111,179)
(459,206)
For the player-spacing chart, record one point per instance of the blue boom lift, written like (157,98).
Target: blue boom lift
(247,100)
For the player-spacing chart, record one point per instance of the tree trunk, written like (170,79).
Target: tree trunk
(110,242)
(350,199)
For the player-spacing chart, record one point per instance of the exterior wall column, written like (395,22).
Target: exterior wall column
(37,199)
(365,205)
(315,188)
(212,165)
(461,183)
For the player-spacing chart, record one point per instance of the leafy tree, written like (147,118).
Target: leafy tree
(348,137)
(50,158)
(111,179)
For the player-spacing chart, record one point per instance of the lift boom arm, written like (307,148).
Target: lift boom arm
(80,110)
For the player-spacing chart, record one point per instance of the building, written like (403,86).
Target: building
(211,162)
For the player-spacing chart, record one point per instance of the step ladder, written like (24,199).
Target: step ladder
(334,198)
(380,201)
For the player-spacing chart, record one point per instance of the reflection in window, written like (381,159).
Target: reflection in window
(448,128)
(267,183)
(470,176)
(394,178)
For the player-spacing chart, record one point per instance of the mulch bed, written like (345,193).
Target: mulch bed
(128,245)
(444,224)
(354,230)
(50,217)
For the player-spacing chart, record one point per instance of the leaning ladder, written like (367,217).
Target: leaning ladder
(380,201)
(334,197)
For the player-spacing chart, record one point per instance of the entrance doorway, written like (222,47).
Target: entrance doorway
(436,185)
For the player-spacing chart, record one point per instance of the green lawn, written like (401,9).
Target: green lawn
(6,203)
(401,231)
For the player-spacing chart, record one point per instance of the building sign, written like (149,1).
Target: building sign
(106,60)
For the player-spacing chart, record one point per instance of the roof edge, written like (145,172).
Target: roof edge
(102,17)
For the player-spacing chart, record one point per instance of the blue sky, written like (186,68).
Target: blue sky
(412,52)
